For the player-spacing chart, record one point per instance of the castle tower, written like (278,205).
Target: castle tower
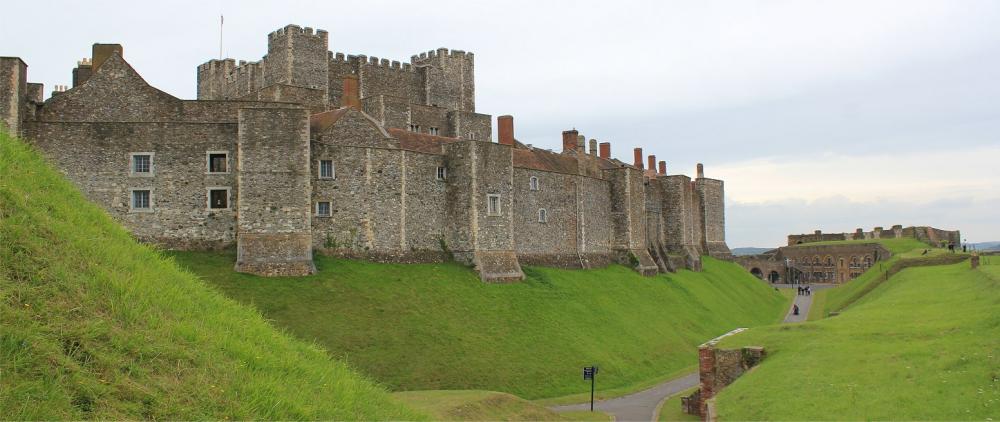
(13,93)
(449,79)
(274,229)
(297,56)
(712,215)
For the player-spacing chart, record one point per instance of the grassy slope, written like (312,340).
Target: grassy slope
(670,410)
(923,346)
(436,327)
(96,326)
(474,405)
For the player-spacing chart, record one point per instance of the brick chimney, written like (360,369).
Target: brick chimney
(581,142)
(663,168)
(505,128)
(701,171)
(350,96)
(652,162)
(569,140)
(637,157)
(606,150)
(593,147)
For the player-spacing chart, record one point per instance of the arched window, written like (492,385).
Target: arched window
(829,261)
(816,260)
(533,183)
(543,216)
(868,261)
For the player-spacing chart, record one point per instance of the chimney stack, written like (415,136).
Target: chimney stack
(350,96)
(637,157)
(663,168)
(593,147)
(569,140)
(606,150)
(701,171)
(581,142)
(652,162)
(505,128)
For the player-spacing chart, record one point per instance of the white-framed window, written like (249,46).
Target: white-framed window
(493,204)
(140,164)
(442,173)
(433,130)
(326,169)
(141,200)
(471,136)
(415,128)
(543,215)
(217,161)
(323,209)
(217,198)
(533,183)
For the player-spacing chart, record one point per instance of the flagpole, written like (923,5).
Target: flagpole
(221,21)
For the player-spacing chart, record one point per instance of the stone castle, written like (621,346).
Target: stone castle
(307,150)
(807,260)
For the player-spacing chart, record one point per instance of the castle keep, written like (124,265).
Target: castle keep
(307,150)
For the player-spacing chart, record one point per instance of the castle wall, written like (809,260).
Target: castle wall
(628,239)
(274,234)
(556,241)
(99,165)
(470,125)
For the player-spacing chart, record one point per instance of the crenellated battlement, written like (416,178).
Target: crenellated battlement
(297,30)
(441,52)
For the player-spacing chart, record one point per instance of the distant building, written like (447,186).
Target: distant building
(357,156)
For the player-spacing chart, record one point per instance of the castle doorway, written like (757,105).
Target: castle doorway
(757,273)
(774,277)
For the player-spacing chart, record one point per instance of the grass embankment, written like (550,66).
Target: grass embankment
(670,409)
(96,326)
(923,346)
(843,296)
(473,405)
(437,327)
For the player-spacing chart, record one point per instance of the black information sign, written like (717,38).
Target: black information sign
(589,373)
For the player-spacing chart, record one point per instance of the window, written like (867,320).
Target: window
(326,170)
(415,128)
(543,216)
(218,162)
(142,200)
(142,164)
(493,205)
(323,209)
(218,198)
(433,130)
(472,136)
(533,183)
(442,173)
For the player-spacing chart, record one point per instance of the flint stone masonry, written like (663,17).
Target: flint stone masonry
(414,166)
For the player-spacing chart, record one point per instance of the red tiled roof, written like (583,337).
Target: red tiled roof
(544,160)
(321,121)
(420,142)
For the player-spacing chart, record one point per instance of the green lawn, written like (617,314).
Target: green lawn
(923,346)
(437,327)
(95,326)
(671,408)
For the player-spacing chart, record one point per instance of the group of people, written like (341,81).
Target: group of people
(805,291)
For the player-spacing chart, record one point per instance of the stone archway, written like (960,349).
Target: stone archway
(757,273)
(774,277)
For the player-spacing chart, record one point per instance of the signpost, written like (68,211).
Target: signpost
(589,373)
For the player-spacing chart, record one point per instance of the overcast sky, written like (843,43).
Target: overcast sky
(830,115)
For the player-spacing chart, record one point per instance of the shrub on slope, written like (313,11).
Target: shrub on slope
(437,327)
(97,326)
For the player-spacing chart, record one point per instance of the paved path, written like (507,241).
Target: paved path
(641,406)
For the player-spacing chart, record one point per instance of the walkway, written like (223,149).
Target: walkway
(641,406)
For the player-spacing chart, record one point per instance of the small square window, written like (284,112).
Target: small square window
(218,199)
(142,163)
(323,209)
(493,205)
(433,130)
(442,173)
(326,170)
(472,136)
(415,128)
(218,162)
(142,200)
